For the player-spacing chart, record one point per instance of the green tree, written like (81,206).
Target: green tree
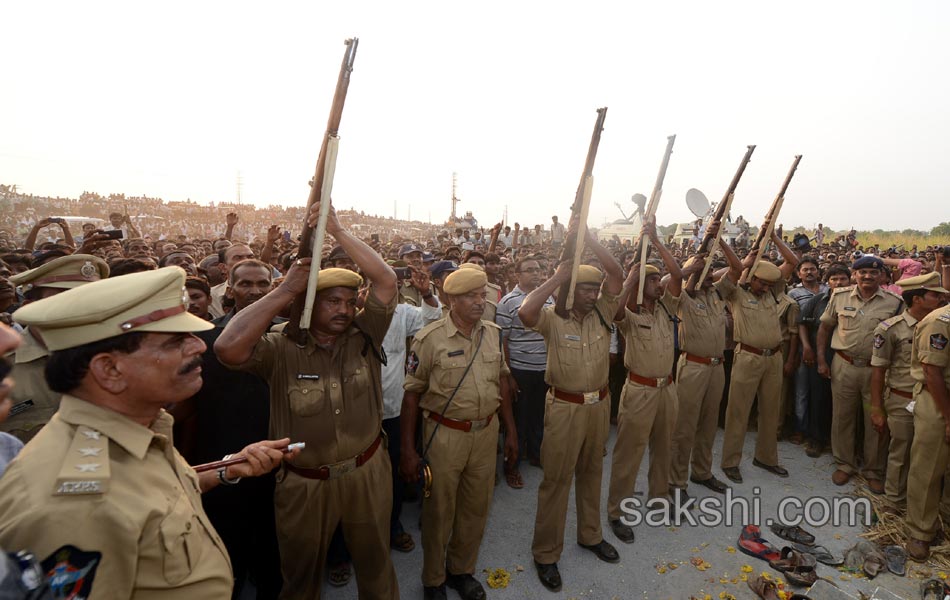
(942,229)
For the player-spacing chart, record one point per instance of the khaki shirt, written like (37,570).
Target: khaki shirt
(649,338)
(438,358)
(788,310)
(930,345)
(756,318)
(578,351)
(702,329)
(216,308)
(854,319)
(99,497)
(893,345)
(330,399)
(33,403)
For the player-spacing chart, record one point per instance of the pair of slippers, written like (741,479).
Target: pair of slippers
(767,590)
(798,567)
(867,557)
(752,543)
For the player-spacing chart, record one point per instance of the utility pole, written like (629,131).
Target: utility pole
(239,185)
(455,198)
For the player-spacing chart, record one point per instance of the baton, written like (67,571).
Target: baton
(219,464)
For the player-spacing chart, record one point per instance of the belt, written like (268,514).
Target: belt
(703,360)
(585,398)
(858,362)
(656,382)
(461,425)
(902,394)
(337,469)
(761,351)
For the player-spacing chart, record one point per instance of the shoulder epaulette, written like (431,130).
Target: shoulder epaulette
(85,468)
(846,288)
(944,316)
(888,323)
(491,323)
(422,333)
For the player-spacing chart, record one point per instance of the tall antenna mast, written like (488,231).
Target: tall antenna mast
(455,199)
(239,185)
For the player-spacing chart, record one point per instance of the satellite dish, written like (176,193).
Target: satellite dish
(640,200)
(697,202)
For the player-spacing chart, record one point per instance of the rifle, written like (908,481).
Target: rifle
(574,245)
(642,246)
(311,241)
(708,245)
(768,225)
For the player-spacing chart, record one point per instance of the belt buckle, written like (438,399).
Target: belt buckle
(715,360)
(592,397)
(661,381)
(767,352)
(860,362)
(341,468)
(478,425)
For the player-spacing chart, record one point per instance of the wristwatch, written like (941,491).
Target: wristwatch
(222,475)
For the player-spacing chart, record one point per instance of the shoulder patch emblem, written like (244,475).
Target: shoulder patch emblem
(938,341)
(878,341)
(945,317)
(701,305)
(412,363)
(71,571)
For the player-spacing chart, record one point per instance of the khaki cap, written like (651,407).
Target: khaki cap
(767,271)
(472,266)
(333,277)
(153,301)
(464,281)
(65,272)
(651,270)
(589,274)
(929,282)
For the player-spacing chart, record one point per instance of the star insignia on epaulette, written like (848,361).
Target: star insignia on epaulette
(88,467)
(91,434)
(90,451)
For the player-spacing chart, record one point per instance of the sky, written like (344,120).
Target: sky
(176,99)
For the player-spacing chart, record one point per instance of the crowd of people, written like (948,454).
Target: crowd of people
(170,337)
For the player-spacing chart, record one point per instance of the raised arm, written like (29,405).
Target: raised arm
(791,259)
(231,220)
(614,281)
(735,265)
(530,310)
(675,286)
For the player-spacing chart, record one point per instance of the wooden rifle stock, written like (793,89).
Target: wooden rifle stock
(768,225)
(574,245)
(642,248)
(708,245)
(311,240)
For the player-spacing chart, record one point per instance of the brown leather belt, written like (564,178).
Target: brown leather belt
(651,381)
(761,351)
(703,360)
(461,425)
(337,469)
(902,394)
(858,362)
(579,398)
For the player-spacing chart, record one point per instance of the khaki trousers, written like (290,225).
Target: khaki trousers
(699,394)
(928,465)
(647,414)
(308,511)
(850,400)
(901,425)
(454,516)
(573,447)
(753,374)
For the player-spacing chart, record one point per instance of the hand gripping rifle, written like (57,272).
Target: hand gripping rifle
(574,245)
(311,241)
(768,225)
(642,246)
(708,245)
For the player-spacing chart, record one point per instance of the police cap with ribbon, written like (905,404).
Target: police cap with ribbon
(65,272)
(868,261)
(929,282)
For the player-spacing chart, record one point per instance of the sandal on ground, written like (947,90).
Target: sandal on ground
(932,589)
(792,558)
(763,588)
(821,554)
(513,478)
(340,574)
(802,576)
(896,560)
(402,542)
(792,533)
(750,543)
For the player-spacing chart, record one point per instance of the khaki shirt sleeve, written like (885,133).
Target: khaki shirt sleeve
(419,366)
(607,305)
(375,317)
(262,358)
(671,302)
(543,326)
(882,347)
(932,346)
(792,316)
(727,289)
(504,361)
(830,316)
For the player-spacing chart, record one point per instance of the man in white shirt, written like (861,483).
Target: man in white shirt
(557,233)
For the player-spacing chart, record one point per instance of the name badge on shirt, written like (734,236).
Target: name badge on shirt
(850,308)
(20,407)
(573,338)
(701,305)
(307,376)
(456,353)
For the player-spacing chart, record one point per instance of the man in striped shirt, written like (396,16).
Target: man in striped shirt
(527,356)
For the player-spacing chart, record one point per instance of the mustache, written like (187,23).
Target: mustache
(191,366)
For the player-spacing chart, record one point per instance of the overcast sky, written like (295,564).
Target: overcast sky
(173,99)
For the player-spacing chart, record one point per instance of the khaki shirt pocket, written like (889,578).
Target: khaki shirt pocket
(180,549)
(306,398)
(492,365)
(847,320)
(569,352)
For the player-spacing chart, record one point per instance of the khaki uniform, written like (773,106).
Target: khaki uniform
(699,385)
(76,497)
(647,413)
(574,434)
(216,307)
(929,451)
(333,401)
(789,310)
(893,345)
(33,402)
(462,462)
(757,326)
(854,321)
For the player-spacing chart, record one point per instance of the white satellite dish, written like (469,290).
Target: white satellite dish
(697,202)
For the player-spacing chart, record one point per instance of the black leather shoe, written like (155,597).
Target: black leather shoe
(771,469)
(466,585)
(733,473)
(604,551)
(434,593)
(549,575)
(623,532)
(712,483)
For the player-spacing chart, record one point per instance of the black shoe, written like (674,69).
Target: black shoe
(733,474)
(712,483)
(771,469)
(623,532)
(549,575)
(466,585)
(434,593)
(604,551)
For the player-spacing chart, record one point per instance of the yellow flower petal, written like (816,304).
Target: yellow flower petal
(746,569)
(731,550)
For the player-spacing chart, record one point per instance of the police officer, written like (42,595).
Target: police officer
(577,420)
(100,494)
(648,404)
(456,374)
(930,368)
(849,321)
(327,394)
(33,401)
(412,254)
(890,363)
